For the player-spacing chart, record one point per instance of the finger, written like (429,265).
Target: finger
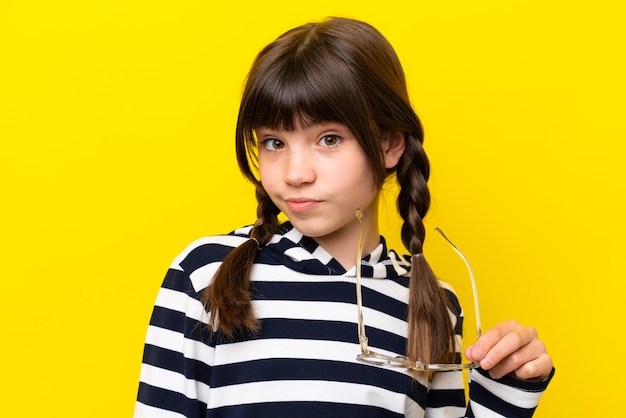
(529,361)
(511,343)
(538,369)
(478,350)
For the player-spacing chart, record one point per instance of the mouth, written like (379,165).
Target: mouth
(301,205)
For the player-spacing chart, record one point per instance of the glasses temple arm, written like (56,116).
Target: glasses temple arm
(359,300)
(472,279)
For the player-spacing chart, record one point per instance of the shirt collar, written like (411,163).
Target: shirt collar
(302,253)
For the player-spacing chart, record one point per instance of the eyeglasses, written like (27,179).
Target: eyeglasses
(371,357)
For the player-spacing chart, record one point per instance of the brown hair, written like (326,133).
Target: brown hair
(338,70)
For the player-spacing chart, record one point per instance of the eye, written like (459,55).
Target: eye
(273,144)
(330,140)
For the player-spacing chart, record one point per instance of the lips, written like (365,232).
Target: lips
(300,205)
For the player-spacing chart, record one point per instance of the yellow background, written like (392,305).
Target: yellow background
(116,127)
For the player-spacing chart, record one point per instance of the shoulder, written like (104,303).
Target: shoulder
(210,248)
(201,258)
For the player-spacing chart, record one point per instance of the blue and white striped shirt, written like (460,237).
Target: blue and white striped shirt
(303,361)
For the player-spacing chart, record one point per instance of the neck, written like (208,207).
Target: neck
(342,245)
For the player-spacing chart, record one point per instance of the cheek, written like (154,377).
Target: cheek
(357,184)
(270,180)
(265,174)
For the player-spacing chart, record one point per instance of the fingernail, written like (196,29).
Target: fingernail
(486,363)
(477,353)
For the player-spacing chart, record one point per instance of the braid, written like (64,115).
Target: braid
(414,196)
(267,217)
(228,298)
(431,334)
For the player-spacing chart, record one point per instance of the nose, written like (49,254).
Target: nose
(299,168)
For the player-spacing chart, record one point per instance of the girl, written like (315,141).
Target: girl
(262,322)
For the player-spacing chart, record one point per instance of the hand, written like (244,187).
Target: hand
(511,348)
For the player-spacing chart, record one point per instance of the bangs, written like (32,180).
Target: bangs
(301,92)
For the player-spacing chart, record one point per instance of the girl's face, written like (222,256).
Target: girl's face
(318,177)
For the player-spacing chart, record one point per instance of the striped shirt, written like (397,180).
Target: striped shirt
(303,361)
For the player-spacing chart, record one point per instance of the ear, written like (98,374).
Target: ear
(394,148)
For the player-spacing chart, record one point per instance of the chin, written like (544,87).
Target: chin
(315,228)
